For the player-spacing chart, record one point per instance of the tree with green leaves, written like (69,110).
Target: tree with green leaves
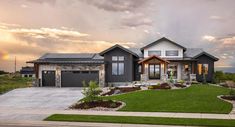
(91,91)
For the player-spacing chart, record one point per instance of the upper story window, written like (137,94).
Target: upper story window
(117,58)
(156,52)
(172,53)
(117,65)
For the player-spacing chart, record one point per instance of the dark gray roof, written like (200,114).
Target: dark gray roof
(192,52)
(66,58)
(160,40)
(118,46)
(68,55)
(136,51)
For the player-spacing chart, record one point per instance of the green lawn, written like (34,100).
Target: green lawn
(8,83)
(195,99)
(142,120)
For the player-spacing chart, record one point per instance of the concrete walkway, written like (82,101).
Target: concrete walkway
(72,124)
(24,114)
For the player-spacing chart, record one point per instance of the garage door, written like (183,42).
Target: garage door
(75,78)
(48,78)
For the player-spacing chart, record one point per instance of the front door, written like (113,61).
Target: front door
(154,71)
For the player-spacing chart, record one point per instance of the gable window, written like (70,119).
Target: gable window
(117,65)
(172,53)
(156,52)
(202,69)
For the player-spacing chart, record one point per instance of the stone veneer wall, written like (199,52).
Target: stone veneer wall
(73,67)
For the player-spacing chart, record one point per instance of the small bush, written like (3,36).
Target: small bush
(161,86)
(113,105)
(181,81)
(91,92)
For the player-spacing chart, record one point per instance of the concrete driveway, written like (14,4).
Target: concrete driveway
(40,98)
(28,103)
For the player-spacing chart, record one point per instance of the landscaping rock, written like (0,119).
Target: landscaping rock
(229,84)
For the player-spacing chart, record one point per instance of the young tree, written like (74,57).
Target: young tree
(92,91)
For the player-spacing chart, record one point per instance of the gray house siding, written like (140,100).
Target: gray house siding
(205,60)
(136,70)
(128,75)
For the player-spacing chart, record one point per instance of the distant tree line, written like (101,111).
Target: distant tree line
(3,72)
(220,76)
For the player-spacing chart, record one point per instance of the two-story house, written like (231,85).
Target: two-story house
(119,65)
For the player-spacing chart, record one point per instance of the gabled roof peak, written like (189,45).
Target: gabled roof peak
(118,46)
(162,39)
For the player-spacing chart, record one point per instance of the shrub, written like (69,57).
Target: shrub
(181,81)
(150,87)
(113,105)
(161,86)
(171,76)
(91,92)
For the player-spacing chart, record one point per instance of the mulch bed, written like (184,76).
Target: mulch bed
(228,97)
(121,90)
(98,103)
(179,85)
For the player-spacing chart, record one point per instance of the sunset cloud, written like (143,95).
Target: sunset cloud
(136,20)
(116,5)
(30,28)
(208,38)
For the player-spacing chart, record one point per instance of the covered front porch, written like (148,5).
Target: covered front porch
(156,68)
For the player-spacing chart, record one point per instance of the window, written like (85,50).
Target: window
(157,53)
(140,69)
(117,58)
(202,68)
(120,68)
(172,53)
(114,69)
(186,68)
(205,68)
(172,70)
(199,69)
(114,58)
(117,65)
(121,58)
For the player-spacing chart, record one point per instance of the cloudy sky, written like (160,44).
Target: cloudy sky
(30,28)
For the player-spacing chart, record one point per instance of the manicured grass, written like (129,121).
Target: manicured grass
(195,99)
(8,83)
(142,120)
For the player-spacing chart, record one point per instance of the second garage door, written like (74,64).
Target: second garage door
(75,78)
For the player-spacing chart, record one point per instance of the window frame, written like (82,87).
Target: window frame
(172,51)
(204,68)
(159,51)
(119,64)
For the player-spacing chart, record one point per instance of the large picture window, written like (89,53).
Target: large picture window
(202,68)
(172,53)
(156,52)
(118,65)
